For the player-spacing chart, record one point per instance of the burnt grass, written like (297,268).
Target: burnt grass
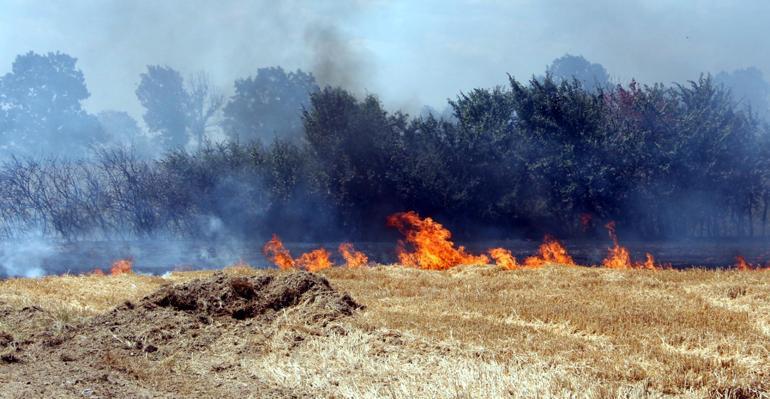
(128,352)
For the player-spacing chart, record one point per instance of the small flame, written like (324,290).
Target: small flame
(619,257)
(278,254)
(96,272)
(550,252)
(649,263)
(431,242)
(315,260)
(503,258)
(312,261)
(352,257)
(122,266)
(741,264)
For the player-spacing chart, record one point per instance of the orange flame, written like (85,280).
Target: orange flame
(649,263)
(122,266)
(741,264)
(550,251)
(503,258)
(619,257)
(278,254)
(312,261)
(96,272)
(315,260)
(352,257)
(433,248)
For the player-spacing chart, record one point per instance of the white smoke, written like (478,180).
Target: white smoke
(24,258)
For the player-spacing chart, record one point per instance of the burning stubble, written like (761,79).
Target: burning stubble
(427,244)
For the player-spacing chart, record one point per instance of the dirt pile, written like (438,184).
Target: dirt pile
(145,349)
(248,297)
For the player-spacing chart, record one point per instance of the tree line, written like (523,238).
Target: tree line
(555,154)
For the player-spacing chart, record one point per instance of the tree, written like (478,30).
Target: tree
(353,143)
(592,76)
(268,104)
(122,130)
(176,111)
(203,102)
(42,111)
(163,96)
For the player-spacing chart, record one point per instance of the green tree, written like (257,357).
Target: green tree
(177,111)
(41,102)
(353,143)
(268,105)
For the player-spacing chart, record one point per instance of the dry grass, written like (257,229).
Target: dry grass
(486,332)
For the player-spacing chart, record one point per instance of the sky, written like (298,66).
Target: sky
(409,53)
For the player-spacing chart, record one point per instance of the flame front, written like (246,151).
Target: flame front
(352,257)
(550,252)
(503,258)
(428,245)
(431,242)
(277,253)
(122,266)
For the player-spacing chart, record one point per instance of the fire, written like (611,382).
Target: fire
(550,251)
(315,260)
(431,242)
(649,263)
(504,258)
(96,272)
(312,261)
(122,266)
(278,254)
(741,264)
(352,257)
(620,258)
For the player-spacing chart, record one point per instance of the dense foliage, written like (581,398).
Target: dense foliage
(544,156)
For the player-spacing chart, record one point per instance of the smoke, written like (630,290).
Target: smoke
(335,60)
(25,258)
(114,41)
(431,51)
(658,41)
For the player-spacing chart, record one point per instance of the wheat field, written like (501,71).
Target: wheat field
(481,332)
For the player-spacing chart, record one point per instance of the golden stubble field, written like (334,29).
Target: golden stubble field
(472,331)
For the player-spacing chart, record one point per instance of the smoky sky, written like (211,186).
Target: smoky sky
(408,52)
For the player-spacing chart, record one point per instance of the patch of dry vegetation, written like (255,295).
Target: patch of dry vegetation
(468,332)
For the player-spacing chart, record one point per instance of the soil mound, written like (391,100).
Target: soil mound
(212,325)
(194,315)
(248,297)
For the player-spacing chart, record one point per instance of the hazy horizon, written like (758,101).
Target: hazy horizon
(408,53)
